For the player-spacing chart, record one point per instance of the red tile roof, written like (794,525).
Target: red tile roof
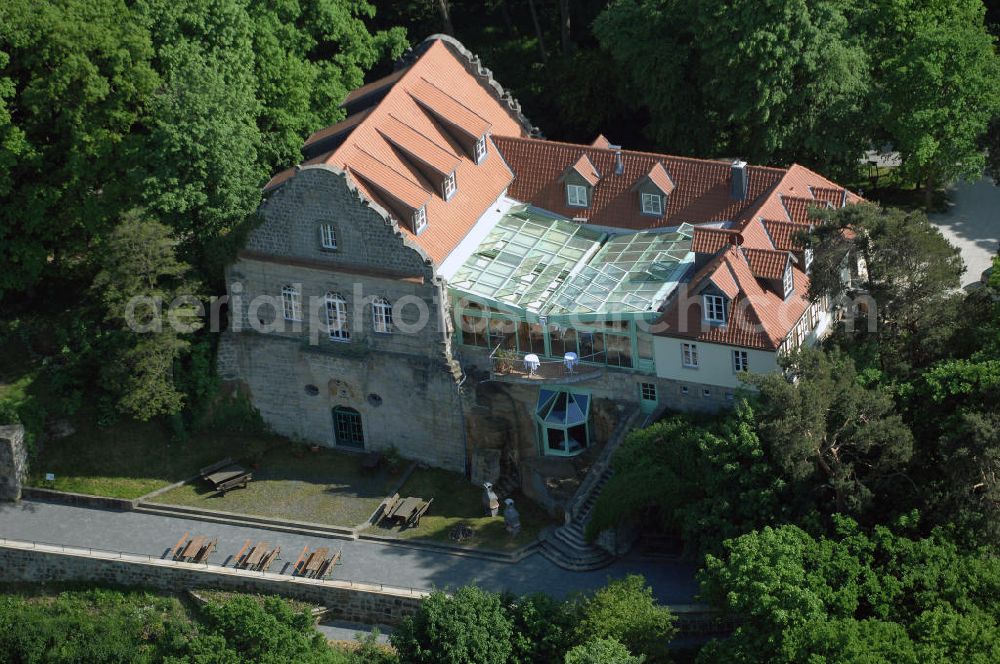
(783,234)
(798,207)
(449,109)
(658,176)
(756,317)
(712,240)
(701,187)
(601,142)
(416,145)
(766,263)
(375,86)
(415,97)
(833,195)
(585,169)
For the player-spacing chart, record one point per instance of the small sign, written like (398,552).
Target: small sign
(50,477)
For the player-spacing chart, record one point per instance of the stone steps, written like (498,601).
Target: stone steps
(567,546)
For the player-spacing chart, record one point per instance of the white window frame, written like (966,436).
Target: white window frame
(652,204)
(714,307)
(689,355)
(420,219)
(741,361)
(336,317)
(787,280)
(327,236)
(381,315)
(807,254)
(481,149)
(291,303)
(576,193)
(449,186)
(646,389)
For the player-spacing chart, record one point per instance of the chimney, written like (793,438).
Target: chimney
(619,166)
(739,180)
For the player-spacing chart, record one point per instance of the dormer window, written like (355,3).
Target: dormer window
(652,204)
(419,219)
(808,255)
(480,149)
(448,186)
(576,195)
(715,308)
(786,281)
(327,237)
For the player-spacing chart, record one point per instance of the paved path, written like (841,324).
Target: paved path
(135,532)
(972,223)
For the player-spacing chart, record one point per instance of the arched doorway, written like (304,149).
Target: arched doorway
(347,428)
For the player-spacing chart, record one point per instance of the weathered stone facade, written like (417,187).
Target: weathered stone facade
(404,384)
(13,461)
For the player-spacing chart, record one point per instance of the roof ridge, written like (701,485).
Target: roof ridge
(657,155)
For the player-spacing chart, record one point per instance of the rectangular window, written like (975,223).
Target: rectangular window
(481,149)
(448,187)
(382,315)
(291,303)
(705,392)
(336,318)
(652,204)
(715,309)
(740,361)
(684,389)
(808,255)
(787,281)
(648,391)
(419,219)
(689,355)
(576,195)
(327,237)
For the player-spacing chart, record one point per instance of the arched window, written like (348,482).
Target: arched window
(336,317)
(291,303)
(327,236)
(382,315)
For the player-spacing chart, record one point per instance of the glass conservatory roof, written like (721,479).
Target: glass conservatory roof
(549,265)
(564,409)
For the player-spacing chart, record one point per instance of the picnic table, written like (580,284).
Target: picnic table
(258,557)
(316,564)
(195,549)
(225,475)
(406,511)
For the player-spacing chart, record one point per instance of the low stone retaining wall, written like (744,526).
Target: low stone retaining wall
(78,499)
(371,604)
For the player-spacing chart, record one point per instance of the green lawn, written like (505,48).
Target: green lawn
(130,459)
(456,501)
(320,487)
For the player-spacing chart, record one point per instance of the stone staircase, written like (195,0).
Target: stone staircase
(567,547)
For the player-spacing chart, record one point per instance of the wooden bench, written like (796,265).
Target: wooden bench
(226,475)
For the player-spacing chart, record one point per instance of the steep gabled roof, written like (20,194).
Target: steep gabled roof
(756,317)
(766,263)
(658,176)
(417,113)
(585,169)
(783,234)
(798,207)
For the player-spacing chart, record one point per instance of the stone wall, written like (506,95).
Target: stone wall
(404,384)
(353,602)
(13,461)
